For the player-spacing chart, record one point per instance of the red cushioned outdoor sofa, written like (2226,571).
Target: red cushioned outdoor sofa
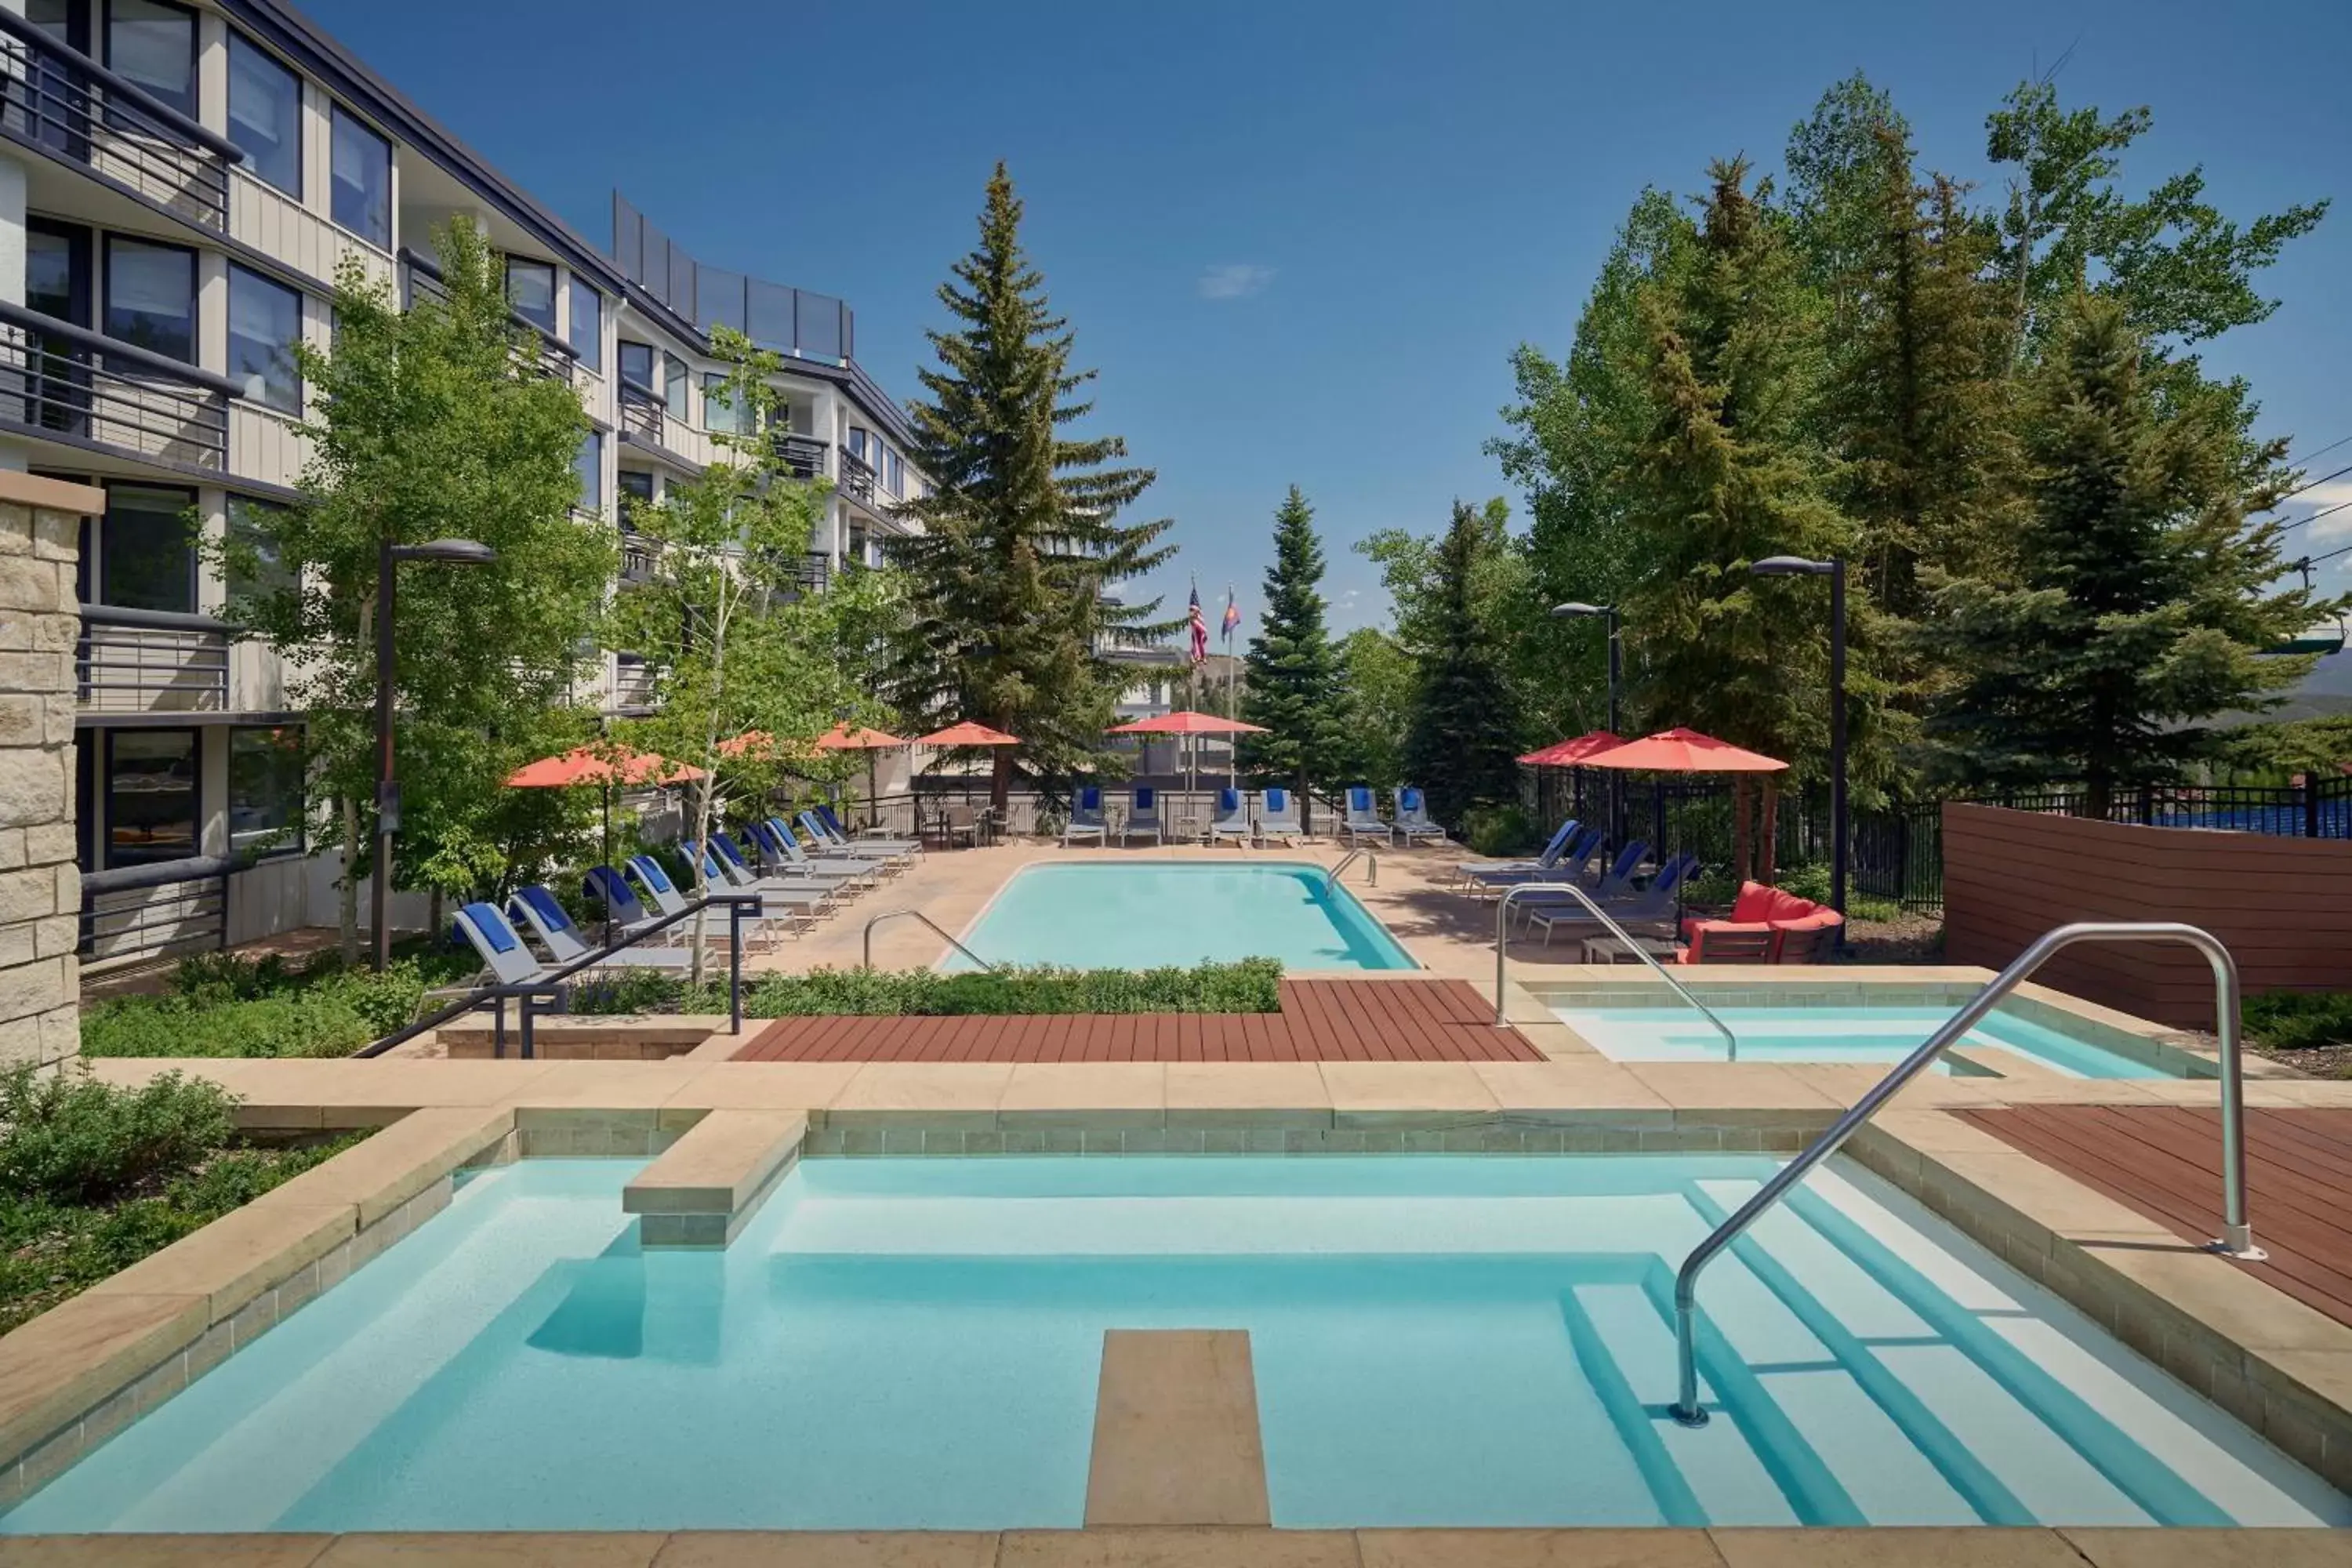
(1765,926)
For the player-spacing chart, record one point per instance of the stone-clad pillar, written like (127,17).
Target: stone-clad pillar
(40,888)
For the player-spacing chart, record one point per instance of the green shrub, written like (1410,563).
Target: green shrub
(223,1006)
(1499,830)
(2299,1020)
(1252,985)
(66,1138)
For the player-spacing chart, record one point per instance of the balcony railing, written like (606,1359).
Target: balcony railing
(632,686)
(812,572)
(857,477)
(802,457)
(151,661)
(419,279)
(171,907)
(69,105)
(638,556)
(59,379)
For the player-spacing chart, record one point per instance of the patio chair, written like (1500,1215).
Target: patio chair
(1280,818)
(611,889)
(823,846)
(1471,871)
(793,899)
(868,835)
(1232,818)
(788,859)
(1560,862)
(1086,817)
(665,898)
(956,822)
(499,947)
(1412,818)
(1653,907)
(1363,820)
(536,908)
(1143,816)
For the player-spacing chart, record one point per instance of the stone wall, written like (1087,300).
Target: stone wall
(40,888)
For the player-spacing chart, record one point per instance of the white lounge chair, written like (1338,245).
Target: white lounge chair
(1412,818)
(666,899)
(887,858)
(786,854)
(839,834)
(1363,820)
(1560,860)
(1280,818)
(536,908)
(499,946)
(1086,817)
(1232,818)
(723,865)
(1143,816)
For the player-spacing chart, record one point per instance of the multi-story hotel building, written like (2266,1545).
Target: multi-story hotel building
(178,184)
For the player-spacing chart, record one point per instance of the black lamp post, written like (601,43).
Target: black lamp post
(1834,569)
(1608,613)
(388,556)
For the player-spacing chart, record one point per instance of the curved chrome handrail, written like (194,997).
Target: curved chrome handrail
(1502,953)
(944,934)
(2237,1239)
(1331,878)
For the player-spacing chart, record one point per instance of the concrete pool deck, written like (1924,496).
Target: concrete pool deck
(72,1377)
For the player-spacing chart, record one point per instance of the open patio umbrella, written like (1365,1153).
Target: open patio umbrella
(1682,751)
(1569,753)
(842,738)
(968,734)
(606,766)
(1185,722)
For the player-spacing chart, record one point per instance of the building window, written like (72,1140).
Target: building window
(253,569)
(677,391)
(587,338)
(590,466)
(363,181)
(894,472)
(638,366)
(861,444)
(719,412)
(155,45)
(152,795)
(265,323)
(531,292)
(146,549)
(636,490)
(151,296)
(265,115)
(265,791)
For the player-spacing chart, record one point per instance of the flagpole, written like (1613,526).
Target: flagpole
(1233,742)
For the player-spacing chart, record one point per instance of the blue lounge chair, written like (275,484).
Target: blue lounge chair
(725,865)
(1654,906)
(607,887)
(1280,818)
(536,908)
(501,947)
(1470,871)
(1363,820)
(664,896)
(1412,818)
(1564,860)
(823,851)
(787,858)
(1086,817)
(870,838)
(1143,816)
(1232,818)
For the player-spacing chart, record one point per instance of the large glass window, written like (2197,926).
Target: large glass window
(363,181)
(861,444)
(155,45)
(590,466)
(264,790)
(150,781)
(587,339)
(265,322)
(719,410)
(531,292)
(56,270)
(638,366)
(894,472)
(636,490)
(151,296)
(254,570)
(146,551)
(265,114)
(677,388)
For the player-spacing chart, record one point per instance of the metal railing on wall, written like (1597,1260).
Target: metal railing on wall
(144,661)
(59,379)
(160,910)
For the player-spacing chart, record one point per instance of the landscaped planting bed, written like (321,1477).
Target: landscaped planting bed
(1252,985)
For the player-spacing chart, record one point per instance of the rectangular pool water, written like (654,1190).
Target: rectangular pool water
(916,1343)
(1864,1034)
(1146,914)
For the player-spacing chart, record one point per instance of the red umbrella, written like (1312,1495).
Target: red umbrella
(1567,753)
(1684,752)
(1187,722)
(587,764)
(967,733)
(842,738)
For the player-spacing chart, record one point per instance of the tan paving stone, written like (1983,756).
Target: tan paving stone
(718,1166)
(1747,1086)
(2240,1307)
(942,1095)
(764,1086)
(1084,1094)
(828,1549)
(1593,1089)
(2212,1548)
(519,1548)
(1176,1431)
(163,1551)
(1247,1094)
(239,1256)
(1196,1548)
(607,1085)
(1402,1094)
(1537,1549)
(393,1165)
(1977,1547)
(82,1350)
(2048,1197)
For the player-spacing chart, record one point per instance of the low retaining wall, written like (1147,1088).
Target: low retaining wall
(2283,906)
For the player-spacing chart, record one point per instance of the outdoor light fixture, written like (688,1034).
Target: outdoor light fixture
(1578,610)
(388,555)
(1840,829)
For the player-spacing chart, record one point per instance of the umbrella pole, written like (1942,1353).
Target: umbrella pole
(608,861)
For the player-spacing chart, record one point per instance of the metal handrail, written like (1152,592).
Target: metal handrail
(1501,955)
(1331,878)
(918,914)
(2237,1239)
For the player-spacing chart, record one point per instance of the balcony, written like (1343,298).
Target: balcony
(151,661)
(802,457)
(637,555)
(645,421)
(68,384)
(67,106)
(856,478)
(633,685)
(420,280)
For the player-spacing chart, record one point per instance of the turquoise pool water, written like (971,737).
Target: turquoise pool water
(1867,1033)
(915,1343)
(1141,915)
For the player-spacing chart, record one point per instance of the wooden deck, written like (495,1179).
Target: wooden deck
(2167,1164)
(1320,1021)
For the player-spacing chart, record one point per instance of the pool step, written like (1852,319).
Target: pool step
(1176,1431)
(706,1187)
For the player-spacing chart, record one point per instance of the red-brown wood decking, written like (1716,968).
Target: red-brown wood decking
(1320,1021)
(2167,1164)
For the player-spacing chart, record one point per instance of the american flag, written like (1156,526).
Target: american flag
(1200,629)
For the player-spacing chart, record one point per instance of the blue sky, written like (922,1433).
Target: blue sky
(1299,241)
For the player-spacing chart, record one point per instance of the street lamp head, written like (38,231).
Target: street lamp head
(455,551)
(1791,566)
(1568,611)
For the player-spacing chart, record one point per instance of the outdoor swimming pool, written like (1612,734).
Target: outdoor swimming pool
(1863,1034)
(916,1343)
(1144,915)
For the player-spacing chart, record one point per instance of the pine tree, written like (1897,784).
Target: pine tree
(2142,598)
(1292,684)
(1462,743)
(1008,616)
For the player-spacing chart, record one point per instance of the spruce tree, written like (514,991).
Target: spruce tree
(1462,743)
(1293,674)
(2142,599)
(1008,618)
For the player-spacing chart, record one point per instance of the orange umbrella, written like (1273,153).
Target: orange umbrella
(1187,722)
(842,738)
(1684,752)
(1567,753)
(586,764)
(967,733)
